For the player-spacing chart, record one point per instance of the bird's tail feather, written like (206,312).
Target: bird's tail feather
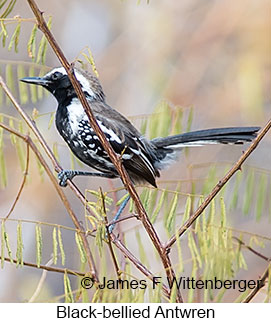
(167,148)
(235,135)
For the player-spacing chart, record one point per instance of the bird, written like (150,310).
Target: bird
(143,159)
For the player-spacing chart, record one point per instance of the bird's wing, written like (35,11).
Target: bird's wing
(130,146)
(124,138)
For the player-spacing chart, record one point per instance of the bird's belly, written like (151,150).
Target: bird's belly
(90,153)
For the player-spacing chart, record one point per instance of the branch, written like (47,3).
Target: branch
(40,283)
(218,186)
(251,249)
(48,268)
(108,148)
(264,275)
(137,263)
(258,287)
(113,256)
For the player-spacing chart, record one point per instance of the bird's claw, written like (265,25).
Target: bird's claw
(63,177)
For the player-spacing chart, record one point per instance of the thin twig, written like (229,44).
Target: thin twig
(251,249)
(40,283)
(113,256)
(137,263)
(264,275)
(254,292)
(108,148)
(22,184)
(218,187)
(13,131)
(48,268)
(124,218)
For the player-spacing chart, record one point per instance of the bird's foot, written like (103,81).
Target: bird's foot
(64,176)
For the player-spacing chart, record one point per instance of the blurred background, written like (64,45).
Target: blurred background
(212,56)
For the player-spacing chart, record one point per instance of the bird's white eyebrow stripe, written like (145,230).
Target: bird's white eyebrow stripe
(80,78)
(57,69)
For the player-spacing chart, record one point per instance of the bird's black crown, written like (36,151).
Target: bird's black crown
(58,83)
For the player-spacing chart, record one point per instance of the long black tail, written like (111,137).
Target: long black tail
(167,148)
(234,135)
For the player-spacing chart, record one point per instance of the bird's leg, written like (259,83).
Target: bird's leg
(64,175)
(120,210)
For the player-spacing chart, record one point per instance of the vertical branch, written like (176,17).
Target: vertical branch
(106,145)
(113,256)
(263,278)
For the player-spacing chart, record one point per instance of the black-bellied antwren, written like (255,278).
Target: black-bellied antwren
(142,158)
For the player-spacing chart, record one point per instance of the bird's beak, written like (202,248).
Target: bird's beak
(36,81)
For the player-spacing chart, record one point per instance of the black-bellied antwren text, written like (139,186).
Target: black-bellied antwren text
(133,311)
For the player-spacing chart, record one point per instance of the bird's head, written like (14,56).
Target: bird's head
(58,83)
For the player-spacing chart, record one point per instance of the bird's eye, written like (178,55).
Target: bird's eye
(56,76)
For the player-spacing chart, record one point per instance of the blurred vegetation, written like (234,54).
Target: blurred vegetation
(211,247)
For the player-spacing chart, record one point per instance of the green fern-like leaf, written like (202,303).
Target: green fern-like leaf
(8,9)
(31,45)
(14,41)
(68,289)
(38,245)
(61,247)
(19,252)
